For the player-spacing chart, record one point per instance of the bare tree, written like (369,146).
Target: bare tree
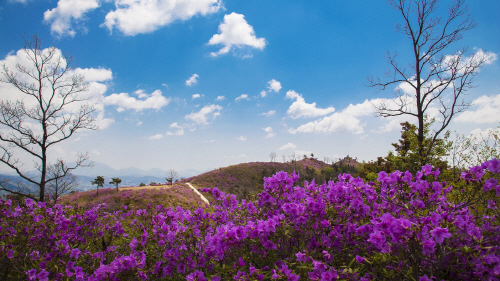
(326,159)
(272,155)
(434,77)
(284,158)
(62,182)
(293,156)
(171,176)
(49,110)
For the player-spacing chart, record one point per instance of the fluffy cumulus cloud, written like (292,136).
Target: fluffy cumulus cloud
(68,13)
(301,109)
(205,115)
(269,132)
(485,110)
(347,120)
(177,130)
(241,138)
(242,97)
(143,101)
(196,96)
(273,86)
(137,16)
(219,98)
(192,80)
(235,33)
(288,146)
(94,75)
(96,79)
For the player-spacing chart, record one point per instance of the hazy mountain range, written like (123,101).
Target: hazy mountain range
(129,176)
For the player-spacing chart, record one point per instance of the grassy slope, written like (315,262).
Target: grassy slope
(244,180)
(177,195)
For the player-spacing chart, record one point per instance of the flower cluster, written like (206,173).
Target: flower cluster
(403,226)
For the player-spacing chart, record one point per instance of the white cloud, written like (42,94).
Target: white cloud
(120,109)
(487,110)
(243,96)
(300,108)
(288,146)
(241,138)
(20,1)
(274,86)
(192,80)
(347,120)
(263,93)
(269,113)
(235,33)
(94,74)
(156,137)
(141,94)
(196,96)
(220,98)
(179,130)
(269,132)
(205,115)
(145,101)
(67,13)
(137,16)
(139,123)
(465,63)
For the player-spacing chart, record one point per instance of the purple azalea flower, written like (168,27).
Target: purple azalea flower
(70,268)
(43,275)
(377,238)
(329,275)
(10,254)
(440,234)
(490,184)
(492,165)
(301,257)
(75,253)
(427,169)
(429,247)
(424,278)
(360,259)
(31,274)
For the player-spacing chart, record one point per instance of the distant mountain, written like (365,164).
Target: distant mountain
(101,169)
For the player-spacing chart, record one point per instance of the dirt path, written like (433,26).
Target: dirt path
(197,192)
(165,186)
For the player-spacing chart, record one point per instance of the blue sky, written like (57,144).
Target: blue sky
(206,84)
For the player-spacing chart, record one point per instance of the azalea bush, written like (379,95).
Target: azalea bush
(403,226)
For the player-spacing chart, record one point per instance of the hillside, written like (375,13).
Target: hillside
(135,198)
(243,180)
(246,179)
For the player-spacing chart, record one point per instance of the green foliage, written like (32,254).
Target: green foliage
(142,184)
(407,155)
(99,181)
(116,182)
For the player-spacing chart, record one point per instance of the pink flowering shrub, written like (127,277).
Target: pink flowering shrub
(402,227)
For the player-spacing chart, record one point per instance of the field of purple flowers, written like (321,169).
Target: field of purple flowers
(401,227)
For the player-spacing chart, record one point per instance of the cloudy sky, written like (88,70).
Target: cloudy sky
(202,84)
